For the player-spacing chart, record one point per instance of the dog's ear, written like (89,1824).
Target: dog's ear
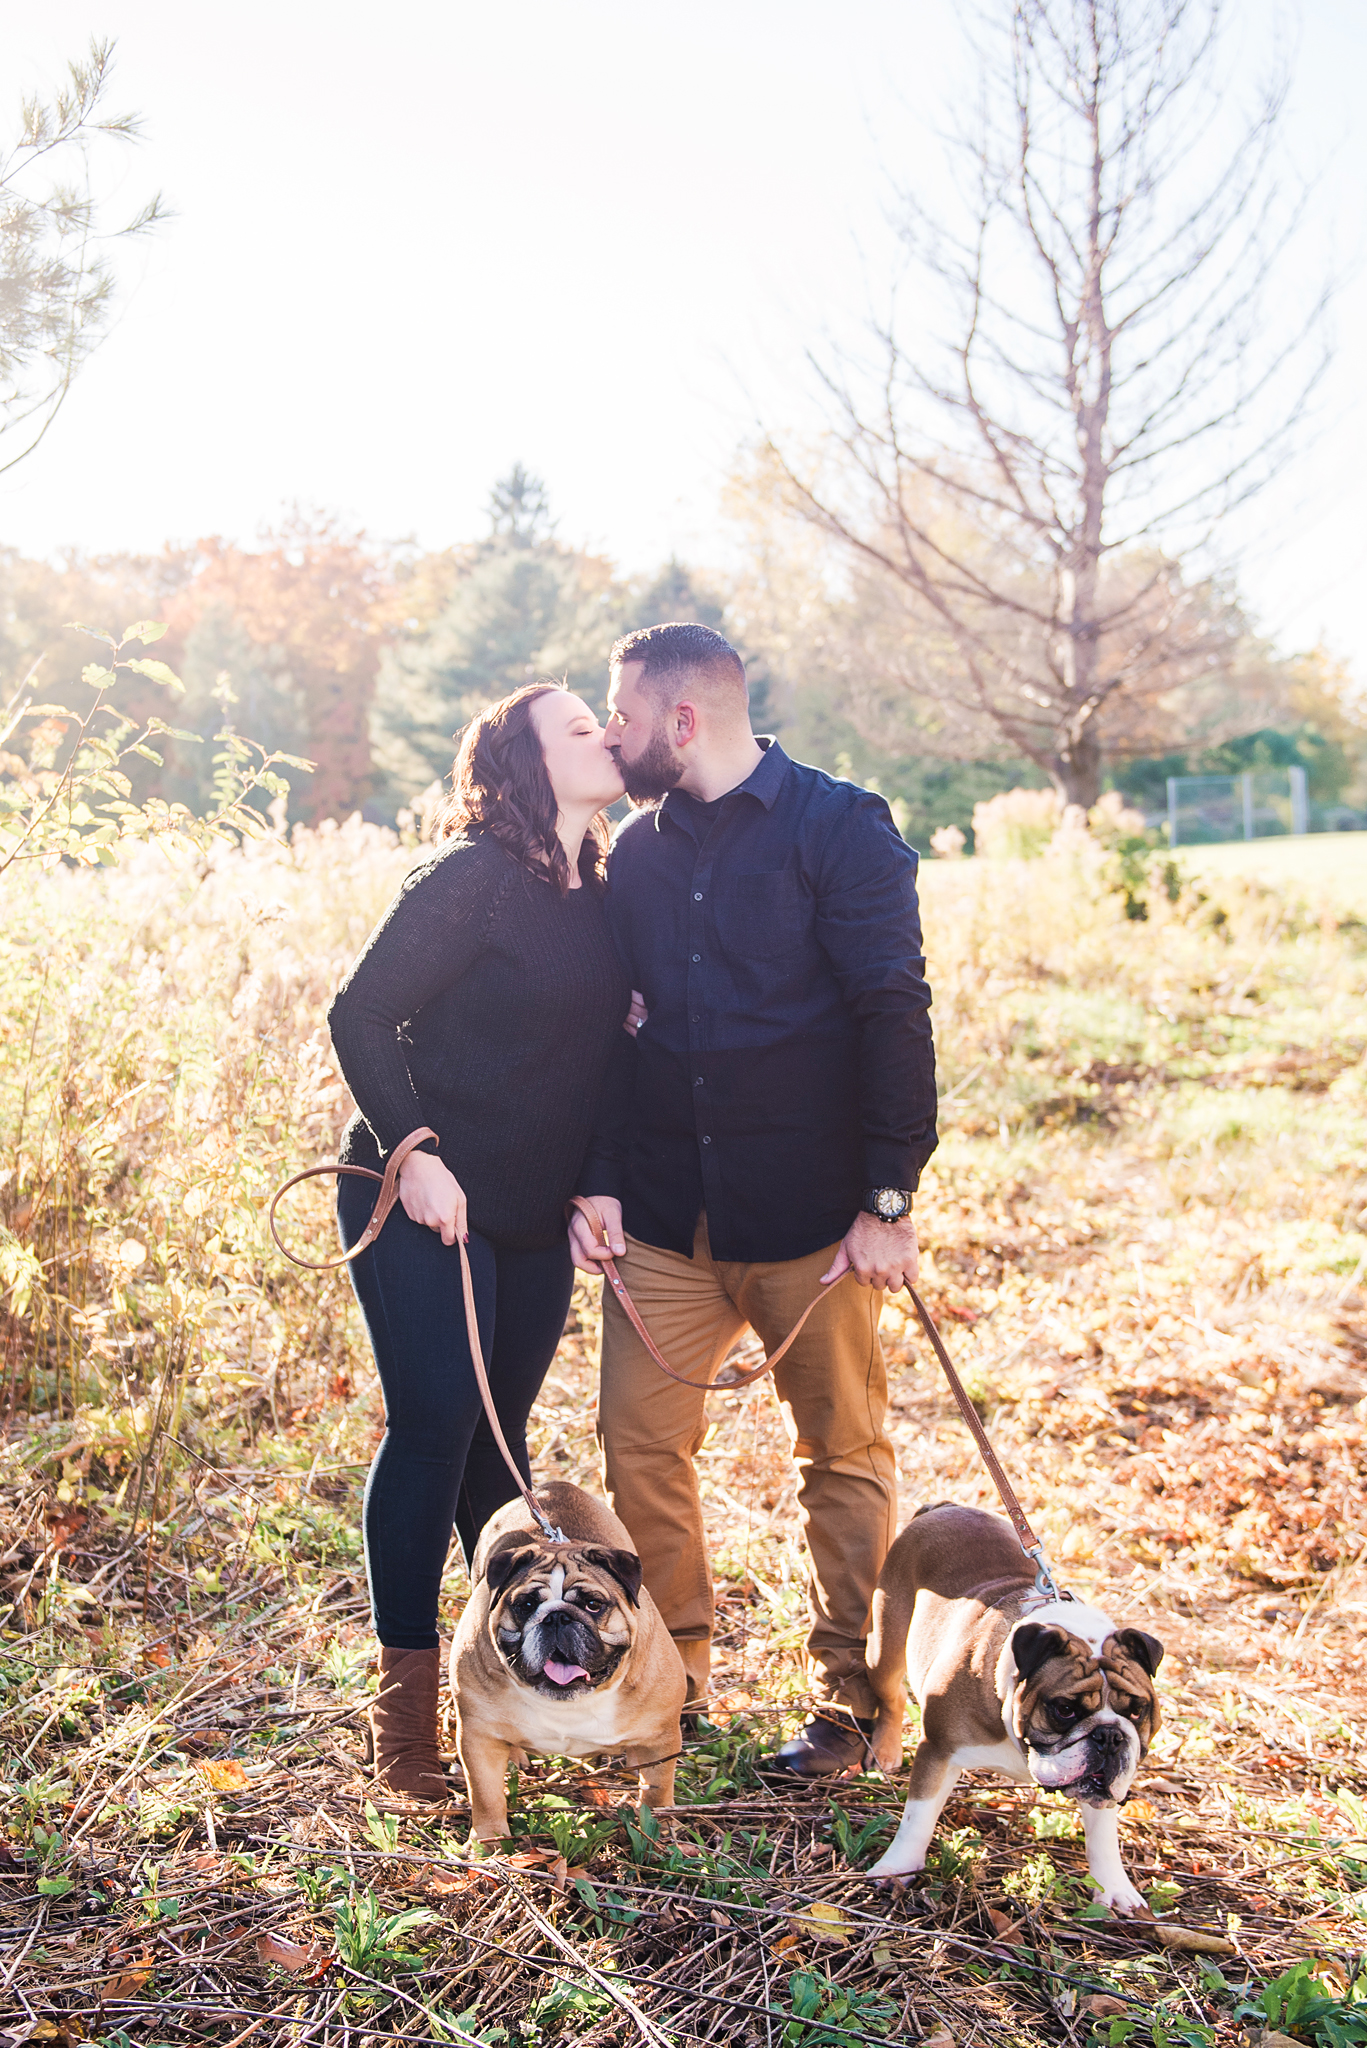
(505,1563)
(1033,1644)
(1147,1651)
(622,1565)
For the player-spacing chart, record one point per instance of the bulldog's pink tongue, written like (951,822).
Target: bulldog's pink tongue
(563,1674)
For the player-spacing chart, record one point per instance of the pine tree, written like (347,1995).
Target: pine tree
(523,606)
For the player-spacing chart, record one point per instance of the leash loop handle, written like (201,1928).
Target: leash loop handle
(379,1216)
(633,1315)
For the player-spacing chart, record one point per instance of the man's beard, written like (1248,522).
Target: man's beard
(654,772)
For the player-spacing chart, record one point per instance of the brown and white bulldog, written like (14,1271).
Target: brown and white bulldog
(561,1651)
(1046,1691)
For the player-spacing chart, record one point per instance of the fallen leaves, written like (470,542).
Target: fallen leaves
(224,1774)
(1005,1928)
(65,2031)
(64,1520)
(128,1982)
(300,1958)
(823,1922)
(1193,1941)
(550,1862)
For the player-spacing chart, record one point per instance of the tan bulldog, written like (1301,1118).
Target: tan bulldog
(1046,1691)
(561,1651)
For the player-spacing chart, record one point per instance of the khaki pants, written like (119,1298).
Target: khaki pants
(832,1387)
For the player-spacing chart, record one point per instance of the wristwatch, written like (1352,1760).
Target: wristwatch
(889,1205)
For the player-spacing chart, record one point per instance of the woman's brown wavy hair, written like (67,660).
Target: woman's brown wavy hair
(499,781)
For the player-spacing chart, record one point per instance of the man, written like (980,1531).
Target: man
(781,1109)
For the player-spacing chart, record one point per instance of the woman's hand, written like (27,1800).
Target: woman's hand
(636,1014)
(432,1195)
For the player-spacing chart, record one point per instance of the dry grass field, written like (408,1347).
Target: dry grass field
(1146,1234)
(1322,866)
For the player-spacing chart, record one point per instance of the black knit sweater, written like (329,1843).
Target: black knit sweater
(486,1005)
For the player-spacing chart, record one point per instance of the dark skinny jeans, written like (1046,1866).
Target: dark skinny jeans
(438,1464)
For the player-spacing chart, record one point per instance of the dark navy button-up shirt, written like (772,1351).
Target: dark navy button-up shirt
(787,1063)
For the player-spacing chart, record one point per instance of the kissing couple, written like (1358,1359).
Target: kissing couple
(714,1025)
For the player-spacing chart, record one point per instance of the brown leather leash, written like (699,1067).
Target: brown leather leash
(384,1203)
(1045,1583)
(734,1378)
(1030,1544)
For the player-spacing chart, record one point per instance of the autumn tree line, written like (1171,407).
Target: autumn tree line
(1001,559)
(367,659)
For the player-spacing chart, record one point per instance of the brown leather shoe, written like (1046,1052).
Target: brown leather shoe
(829,1744)
(403,1723)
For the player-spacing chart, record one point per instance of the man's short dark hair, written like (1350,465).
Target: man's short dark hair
(673,652)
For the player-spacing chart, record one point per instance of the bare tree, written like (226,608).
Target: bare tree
(1113,385)
(56,279)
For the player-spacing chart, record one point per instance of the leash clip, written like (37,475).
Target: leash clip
(1045,1583)
(548,1528)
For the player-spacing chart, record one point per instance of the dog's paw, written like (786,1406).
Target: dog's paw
(896,1869)
(1123,1900)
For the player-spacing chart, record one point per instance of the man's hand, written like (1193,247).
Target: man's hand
(589,1251)
(637,1013)
(878,1254)
(432,1195)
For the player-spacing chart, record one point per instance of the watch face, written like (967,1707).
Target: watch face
(890,1203)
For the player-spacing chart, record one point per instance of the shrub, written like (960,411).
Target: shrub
(1017,825)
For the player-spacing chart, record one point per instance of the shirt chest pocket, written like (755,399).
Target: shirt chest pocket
(764,916)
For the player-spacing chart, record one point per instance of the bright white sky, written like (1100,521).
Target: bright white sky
(417,242)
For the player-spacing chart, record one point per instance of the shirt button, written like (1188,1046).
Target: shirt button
(697,956)
(698,1081)
(707,1141)
(697,895)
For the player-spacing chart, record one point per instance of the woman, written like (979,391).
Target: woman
(485,1004)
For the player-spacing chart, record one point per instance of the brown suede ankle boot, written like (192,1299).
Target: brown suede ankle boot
(403,1721)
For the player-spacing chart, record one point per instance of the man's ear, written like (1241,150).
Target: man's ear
(1033,1644)
(622,1565)
(1147,1651)
(685,718)
(504,1565)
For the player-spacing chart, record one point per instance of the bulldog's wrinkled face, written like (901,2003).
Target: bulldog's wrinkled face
(561,1615)
(1085,1717)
